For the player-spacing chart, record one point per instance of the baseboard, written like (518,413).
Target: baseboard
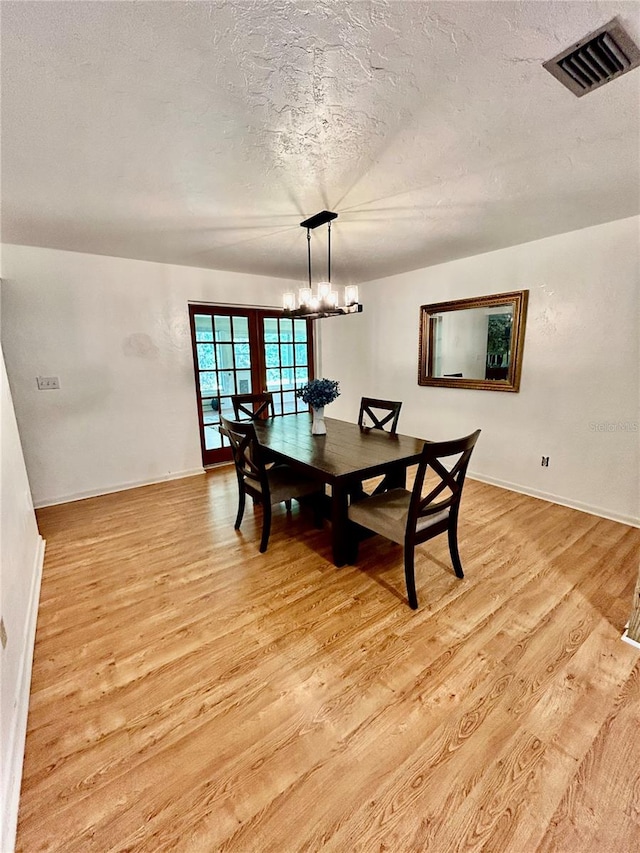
(109,490)
(556,499)
(18,731)
(627,639)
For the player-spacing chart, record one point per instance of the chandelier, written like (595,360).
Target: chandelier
(324,303)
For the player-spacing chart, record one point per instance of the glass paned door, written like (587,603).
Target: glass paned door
(244,351)
(287,360)
(224,368)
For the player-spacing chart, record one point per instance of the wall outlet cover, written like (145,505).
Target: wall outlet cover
(48,383)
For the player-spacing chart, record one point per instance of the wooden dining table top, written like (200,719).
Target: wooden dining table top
(346,451)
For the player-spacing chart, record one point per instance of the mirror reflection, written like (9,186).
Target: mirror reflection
(473,343)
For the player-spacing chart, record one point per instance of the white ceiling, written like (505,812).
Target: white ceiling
(202,133)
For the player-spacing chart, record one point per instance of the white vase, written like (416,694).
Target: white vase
(318,426)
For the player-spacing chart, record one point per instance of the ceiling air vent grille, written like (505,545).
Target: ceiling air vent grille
(595,60)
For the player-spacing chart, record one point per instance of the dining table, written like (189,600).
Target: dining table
(342,459)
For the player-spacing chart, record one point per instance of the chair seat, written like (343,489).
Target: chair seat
(386,513)
(285,483)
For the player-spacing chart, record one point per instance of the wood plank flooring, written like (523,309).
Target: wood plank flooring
(191,694)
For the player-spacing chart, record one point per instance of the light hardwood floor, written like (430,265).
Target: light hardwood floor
(190,694)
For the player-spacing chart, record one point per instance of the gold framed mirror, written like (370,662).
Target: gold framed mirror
(473,343)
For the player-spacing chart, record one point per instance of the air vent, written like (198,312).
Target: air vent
(596,59)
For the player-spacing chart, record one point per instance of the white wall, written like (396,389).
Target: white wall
(579,395)
(21,554)
(116,333)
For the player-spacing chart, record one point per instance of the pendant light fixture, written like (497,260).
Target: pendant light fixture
(324,303)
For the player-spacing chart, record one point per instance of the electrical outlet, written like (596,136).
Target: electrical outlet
(545,462)
(47,383)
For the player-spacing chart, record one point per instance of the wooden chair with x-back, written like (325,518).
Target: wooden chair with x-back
(267,486)
(383,415)
(379,414)
(409,517)
(250,407)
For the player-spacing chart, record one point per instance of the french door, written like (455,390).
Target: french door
(245,351)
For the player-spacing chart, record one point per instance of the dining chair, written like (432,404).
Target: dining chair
(252,406)
(372,409)
(379,414)
(267,486)
(409,518)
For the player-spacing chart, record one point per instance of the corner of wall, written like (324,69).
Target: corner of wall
(14,755)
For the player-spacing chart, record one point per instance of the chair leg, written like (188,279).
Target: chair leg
(396,478)
(410,577)
(318,511)
(453,550)
(357,493)
(266,526)
(241,502)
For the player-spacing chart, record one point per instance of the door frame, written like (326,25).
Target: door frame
(255,315)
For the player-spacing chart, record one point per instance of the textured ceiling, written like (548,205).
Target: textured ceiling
(202,133)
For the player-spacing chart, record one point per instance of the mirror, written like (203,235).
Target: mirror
(473,343)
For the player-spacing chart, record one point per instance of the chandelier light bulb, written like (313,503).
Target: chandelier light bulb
(324,289)
(351,294)
(305,295)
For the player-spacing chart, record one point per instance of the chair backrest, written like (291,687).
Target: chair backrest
(450,480)
(247,454)
(380,413)
(251,407)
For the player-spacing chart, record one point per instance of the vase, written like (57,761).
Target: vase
(318,426)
